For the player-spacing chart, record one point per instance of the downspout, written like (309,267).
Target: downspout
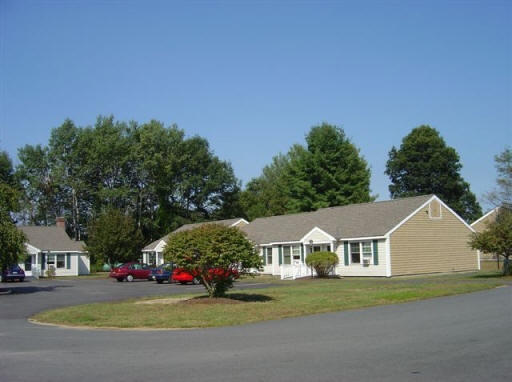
(388,256)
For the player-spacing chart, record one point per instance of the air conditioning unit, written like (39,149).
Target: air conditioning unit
(366,262)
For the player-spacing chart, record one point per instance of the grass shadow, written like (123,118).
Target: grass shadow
(249,297)
(489,275)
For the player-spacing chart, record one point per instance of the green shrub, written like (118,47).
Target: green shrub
(322,262)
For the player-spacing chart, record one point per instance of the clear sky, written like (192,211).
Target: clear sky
(253,77)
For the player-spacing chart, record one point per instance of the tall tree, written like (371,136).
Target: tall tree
(328,172)
(502,194)
(66,166)
(40,189)
(339,175)
(424,164)
(11,239)
(265,196)
(113,238)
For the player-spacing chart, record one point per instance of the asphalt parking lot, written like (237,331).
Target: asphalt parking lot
(23,299)
(457,338)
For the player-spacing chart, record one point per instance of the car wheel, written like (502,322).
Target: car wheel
(129,278)
(196,281)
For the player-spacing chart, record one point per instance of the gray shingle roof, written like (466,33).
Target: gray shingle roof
(226,222)
(352,221)
(51,238)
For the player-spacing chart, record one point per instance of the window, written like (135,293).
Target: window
(152,258)
(289,251)
(361,252)
(61,261)
(267,252)
(355,253)
(56,261)
(28,263)
(287,255)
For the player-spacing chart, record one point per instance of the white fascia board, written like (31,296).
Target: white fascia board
(281,243)
(239,221)
(366,238)
(316,229)
(485,216)
(31,249)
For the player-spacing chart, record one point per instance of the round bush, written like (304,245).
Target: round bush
(322,262)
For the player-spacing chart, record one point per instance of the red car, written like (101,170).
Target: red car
(182,276)
(130,271)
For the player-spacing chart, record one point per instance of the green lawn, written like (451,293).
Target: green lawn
(288,299)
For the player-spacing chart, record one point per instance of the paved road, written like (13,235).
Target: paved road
(459,338)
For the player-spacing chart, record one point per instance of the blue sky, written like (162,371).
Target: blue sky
(253,77)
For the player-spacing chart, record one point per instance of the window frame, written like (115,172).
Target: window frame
(365,251)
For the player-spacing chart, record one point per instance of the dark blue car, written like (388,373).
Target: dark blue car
(163,273)
(13,272)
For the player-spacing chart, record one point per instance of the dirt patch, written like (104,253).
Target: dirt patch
(211,301)
(172,300)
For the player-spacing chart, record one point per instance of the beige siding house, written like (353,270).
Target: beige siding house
(390,238)
(153,253)
(481,224)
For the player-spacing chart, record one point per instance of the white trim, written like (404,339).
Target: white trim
(364,238)
(494,210)
(316,229)
(242,220)
(388,256)
(282,243)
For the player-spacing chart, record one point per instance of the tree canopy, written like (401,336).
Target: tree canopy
(328,171)
(424,164)
(497,238)
(153,173)
(502,194)
(12,240)
(114,238)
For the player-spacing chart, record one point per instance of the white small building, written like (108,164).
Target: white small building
(52,248)
(153,253)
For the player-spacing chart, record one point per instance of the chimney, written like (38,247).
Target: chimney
(60,222)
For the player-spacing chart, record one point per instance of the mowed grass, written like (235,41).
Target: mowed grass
(280,300)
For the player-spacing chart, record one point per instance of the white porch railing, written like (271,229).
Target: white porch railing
(294,271)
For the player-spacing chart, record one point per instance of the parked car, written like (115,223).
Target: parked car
(162,273)
(182,276)
(130,271)
(13,272)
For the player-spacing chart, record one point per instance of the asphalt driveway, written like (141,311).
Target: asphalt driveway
(457,338)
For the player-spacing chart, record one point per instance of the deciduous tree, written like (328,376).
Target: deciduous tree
(424,164)
(214,253)
(12,240)
(502,194)
(113,238)
(497,238)
(328,172)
